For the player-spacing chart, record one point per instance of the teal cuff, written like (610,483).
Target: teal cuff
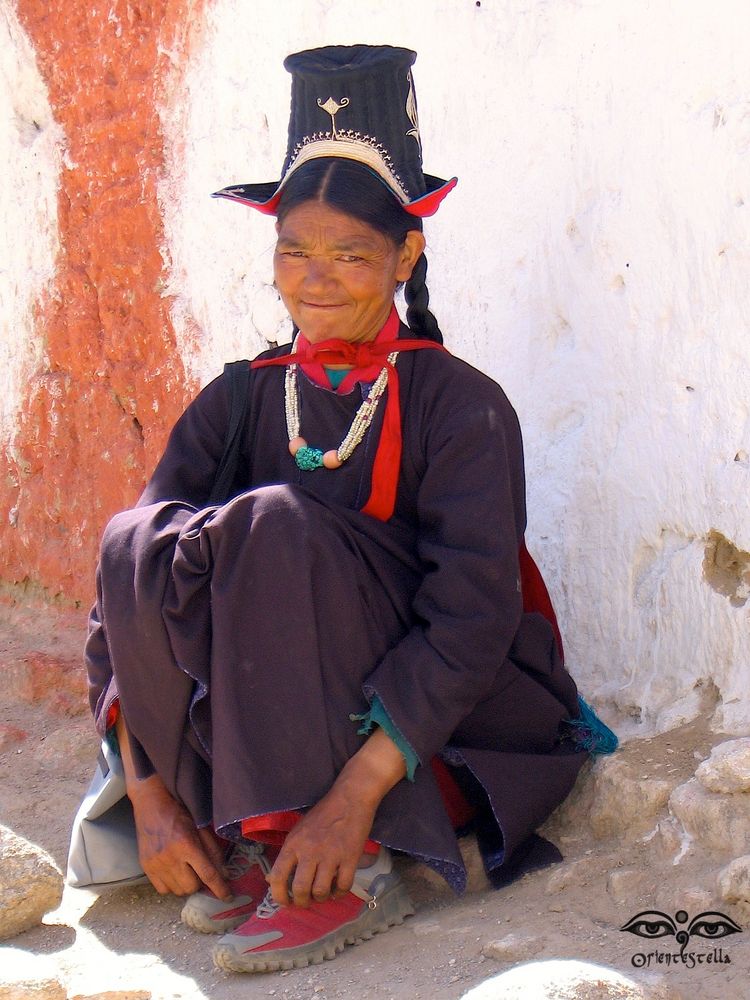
(378,716)
(110,738)
(590,733)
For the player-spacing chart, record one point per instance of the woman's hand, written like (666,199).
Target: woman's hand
(320,855)
(175,855)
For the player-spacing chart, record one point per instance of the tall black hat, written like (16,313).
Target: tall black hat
(356,102)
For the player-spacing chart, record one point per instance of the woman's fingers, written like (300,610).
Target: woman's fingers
(185,868)
(214,848)
(320,854)
(209,874)
(304,874)
(298,880)
(174,855)
(157,883)
(345,877)
(324,883)
(280,875)
(170,874)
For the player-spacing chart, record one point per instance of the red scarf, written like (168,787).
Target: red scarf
(367,360)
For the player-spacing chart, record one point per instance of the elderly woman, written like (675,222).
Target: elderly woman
(349,652)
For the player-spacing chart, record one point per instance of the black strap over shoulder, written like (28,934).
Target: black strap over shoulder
(237,375)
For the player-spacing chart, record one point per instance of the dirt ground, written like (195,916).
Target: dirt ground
(131,940)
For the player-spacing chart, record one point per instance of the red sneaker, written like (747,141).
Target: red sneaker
(291,937)
(246,868)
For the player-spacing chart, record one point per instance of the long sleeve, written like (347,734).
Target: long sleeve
(187,469)
(101,681)
(186,472)
(471,514)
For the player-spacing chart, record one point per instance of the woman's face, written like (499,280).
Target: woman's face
(337,275)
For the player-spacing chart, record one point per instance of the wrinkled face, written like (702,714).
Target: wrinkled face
(337,275)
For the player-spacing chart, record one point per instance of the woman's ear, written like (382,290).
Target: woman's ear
(409,253)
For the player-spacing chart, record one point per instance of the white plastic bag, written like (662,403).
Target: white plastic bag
(103,847)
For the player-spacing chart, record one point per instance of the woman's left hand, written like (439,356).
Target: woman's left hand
(321,853)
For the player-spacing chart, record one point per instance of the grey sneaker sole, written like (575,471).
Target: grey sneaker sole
(393,905)
(195,916)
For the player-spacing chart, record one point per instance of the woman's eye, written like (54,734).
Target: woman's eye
(349,258)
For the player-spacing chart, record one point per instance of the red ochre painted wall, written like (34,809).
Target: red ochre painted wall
(96,413)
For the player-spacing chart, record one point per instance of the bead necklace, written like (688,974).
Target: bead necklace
(308,458)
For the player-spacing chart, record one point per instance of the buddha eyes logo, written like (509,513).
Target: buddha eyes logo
(652,924)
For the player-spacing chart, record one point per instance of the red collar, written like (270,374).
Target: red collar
(367,360)
(366,368)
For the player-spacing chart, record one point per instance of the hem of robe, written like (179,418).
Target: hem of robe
(504,845)
(272,828)
(508,850)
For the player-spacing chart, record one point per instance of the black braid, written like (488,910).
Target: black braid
(418,315)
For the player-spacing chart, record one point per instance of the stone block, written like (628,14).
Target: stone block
(425,884)
(733,882)
(611,801)
(670,839)
(573,874)
(476,877)
(514,948)
(29,977)
(694,899)
(718,823)
(30,884)
(33,989)
(624,884)
(728,768)
(114,995)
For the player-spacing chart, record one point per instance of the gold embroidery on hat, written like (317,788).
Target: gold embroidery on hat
(411,111)
(333,108)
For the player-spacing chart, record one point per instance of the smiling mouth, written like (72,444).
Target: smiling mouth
(322,305)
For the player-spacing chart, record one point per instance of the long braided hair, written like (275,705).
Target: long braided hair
(350,187)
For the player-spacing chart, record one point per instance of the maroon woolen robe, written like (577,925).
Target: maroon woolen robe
(241,639)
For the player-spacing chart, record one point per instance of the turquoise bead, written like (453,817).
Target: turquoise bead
(309,458)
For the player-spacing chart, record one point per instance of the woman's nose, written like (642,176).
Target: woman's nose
(318,273)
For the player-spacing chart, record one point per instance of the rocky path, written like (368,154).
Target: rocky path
(641,832)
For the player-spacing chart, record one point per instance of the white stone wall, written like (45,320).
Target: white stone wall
(29,168)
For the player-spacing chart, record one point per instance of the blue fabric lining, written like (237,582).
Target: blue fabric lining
(378,716)
(336,376)
(590,733)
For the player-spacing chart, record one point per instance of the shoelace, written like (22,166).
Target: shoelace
(267,908)
(244,856)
